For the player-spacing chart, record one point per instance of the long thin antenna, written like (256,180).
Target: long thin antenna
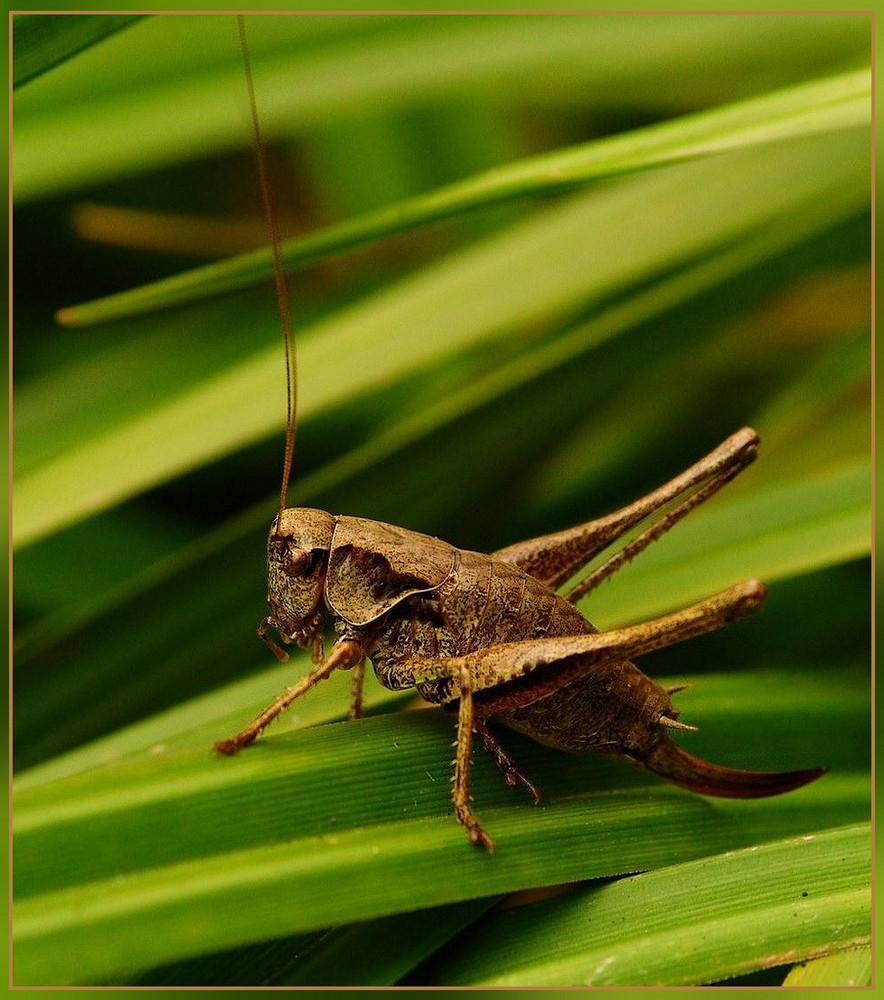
(283,299)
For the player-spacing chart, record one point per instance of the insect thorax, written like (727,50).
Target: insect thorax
(483,603)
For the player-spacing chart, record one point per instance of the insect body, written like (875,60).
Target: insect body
(489,636)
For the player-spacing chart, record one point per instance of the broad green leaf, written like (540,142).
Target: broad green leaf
(376,952)
(541,270)
(370,800)
(381,952)
(112,118)
(42,41)
(202,721)
(851,967)
(691,923)
(106,926)
(823,106)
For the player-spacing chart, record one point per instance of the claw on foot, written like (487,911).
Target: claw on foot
(479,838)
(229,747)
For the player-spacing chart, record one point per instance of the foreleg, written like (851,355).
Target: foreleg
(345,653)
(356,687)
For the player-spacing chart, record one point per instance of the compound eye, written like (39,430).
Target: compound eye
(297,562)
(285,555)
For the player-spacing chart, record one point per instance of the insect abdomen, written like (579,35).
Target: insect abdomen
(614,708)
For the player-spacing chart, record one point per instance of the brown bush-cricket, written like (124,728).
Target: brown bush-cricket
(488,636)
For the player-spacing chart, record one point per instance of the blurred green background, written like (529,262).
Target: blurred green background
(525,351)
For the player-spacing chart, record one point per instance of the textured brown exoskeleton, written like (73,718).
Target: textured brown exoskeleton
(488,636)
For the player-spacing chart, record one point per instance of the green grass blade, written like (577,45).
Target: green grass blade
(41,41)
(821,106)
(200,722)
(852,967)
(104,927)
(376,952)
(110,118)
(539,271)
(688,924)
(380,952)
(198,850)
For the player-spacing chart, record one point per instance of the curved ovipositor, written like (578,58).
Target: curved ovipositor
(669,761)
